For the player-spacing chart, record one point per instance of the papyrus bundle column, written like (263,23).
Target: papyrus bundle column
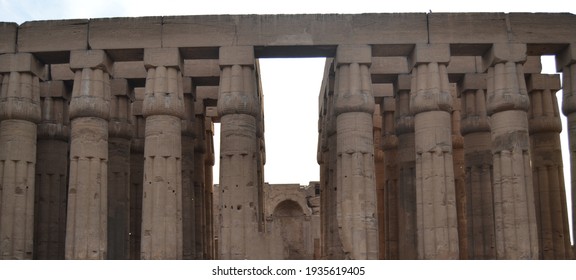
(199,181)
(188,212)
(19,113)
(406,157)
(507,104)
(86,227)
(51,172)
(547,169)
(475,128)
(136,172)
(566,63)
(162,192)
(238,108)
(431,104)
(120,134)
(356,186)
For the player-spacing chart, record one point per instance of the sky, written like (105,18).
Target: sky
(291,86)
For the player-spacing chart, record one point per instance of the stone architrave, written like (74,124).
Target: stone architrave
(86,227)
(547,170)
(19,114)
(162,192)
(355,184)
(238,109)
(507,104)
(51,172)
(475,128)
(431,104)
(566,63)
(406,157)
(120,134)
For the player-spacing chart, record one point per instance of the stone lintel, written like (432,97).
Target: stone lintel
(136,108)
(566,57)
(504,52)
(389,65)
(120,87)
(236,55)
(472,82)
(125,33)
(543,82)
(427,53)
(201,68)
(167,57)
(130,70)
(464,64)
(139,93)
(53,89)
(403,82)
(388,104)
(382,90)
(533,65)
(211,112)
(61,72)
(95,59)
(199,108)
(22,62)
(207,92)
(346,54)
(8,31)
(187,87)
(53,35)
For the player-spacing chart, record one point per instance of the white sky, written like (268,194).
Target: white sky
(291,87)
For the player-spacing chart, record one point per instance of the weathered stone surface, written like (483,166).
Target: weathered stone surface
(125,33)
(53,35)
(471,28)
(8,32)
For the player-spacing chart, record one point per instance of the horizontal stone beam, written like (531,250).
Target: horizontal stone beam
(8,37)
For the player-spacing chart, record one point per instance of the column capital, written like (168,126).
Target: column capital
(236,55)
(566,57)
(167,57)
(504,52)
(22,62)
(94,59)
(428,53)
(55,89)
(347,54)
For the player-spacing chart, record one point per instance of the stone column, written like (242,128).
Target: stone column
(380,176)
(475,128)
(199,181)
(355,184)
(162,193)
(51,172)
(86,228)
(406,157)
(238,108)
(120,134)
(136,172)
(19,113)
(507,103)
(459,172)
(390,149)
(431,104)
(188,135)
(566,63)
(547,170)
(208,187)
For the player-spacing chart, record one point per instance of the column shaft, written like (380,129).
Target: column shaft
(162,192)
(238,108)
(515,217)
(188,211)
(431,103)
(406,171)
(475,129)
(356,186)
(19,113)
(547,171)
(391,195)
(136,173)
(51,173)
